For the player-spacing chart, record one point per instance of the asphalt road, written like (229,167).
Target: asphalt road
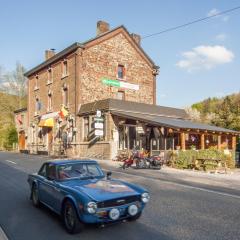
(176,210)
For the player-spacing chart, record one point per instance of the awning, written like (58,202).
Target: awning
(175,123)
(46,122)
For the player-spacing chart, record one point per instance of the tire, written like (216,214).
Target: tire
(136,217)
(35,196)
(70,218)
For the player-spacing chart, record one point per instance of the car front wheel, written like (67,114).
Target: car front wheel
(70,219)
(35,196)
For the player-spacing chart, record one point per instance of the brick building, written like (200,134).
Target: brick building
(98,97)
(21,123)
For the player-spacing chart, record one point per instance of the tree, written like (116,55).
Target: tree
(15,83)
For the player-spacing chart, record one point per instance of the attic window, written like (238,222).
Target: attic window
(121,72)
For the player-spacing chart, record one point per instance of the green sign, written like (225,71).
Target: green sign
(111,82)
(121,84)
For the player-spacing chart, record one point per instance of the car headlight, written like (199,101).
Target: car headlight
(92,207)
(145,197)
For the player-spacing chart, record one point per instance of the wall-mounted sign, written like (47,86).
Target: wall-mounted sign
(98,113)
(98,125)
(98,132)
(121,84)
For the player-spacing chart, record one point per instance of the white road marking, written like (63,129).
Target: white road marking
(2,235)
(181,185)
(10,161)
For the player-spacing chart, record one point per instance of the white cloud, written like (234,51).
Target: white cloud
(205,57)
(215,11)
(221,37)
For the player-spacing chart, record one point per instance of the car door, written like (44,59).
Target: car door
(47,184)
(49,188)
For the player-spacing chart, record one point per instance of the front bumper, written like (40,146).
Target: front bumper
(102,214)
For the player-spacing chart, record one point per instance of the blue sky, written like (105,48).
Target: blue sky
(195,62)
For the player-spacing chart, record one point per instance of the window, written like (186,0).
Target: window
(121,72)
(49,100)
(36,83)
(50,76)
(51,171)
(65,96)
(120,95)
(42,171)
(38,105)
(65,68)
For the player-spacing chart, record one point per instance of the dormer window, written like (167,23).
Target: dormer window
(121,72)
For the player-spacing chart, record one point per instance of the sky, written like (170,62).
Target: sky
(196,62)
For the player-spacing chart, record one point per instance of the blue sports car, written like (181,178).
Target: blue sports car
(79,191)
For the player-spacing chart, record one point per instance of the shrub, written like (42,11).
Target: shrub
(186,159)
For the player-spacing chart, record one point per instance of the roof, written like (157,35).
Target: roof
(77,45)
(172,122)
(56,57)
(70,161)
(132,107)
(20,110)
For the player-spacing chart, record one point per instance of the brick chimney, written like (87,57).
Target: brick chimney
(136,38)
(49,54)
(102,27)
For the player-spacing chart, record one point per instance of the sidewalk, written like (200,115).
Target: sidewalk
(229,180)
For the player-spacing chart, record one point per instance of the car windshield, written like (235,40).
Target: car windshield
(79,170)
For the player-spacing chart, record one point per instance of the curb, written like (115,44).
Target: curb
(2,235)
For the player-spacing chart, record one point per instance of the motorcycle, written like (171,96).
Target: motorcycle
(154,162)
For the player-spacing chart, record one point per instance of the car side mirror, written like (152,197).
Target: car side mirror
(109,174)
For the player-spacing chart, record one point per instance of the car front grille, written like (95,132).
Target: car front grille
(118,201)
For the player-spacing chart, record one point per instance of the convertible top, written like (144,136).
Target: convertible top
(66,161)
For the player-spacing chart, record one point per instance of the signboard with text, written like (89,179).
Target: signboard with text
(120,84)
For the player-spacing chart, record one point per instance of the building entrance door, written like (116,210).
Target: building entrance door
(21,140)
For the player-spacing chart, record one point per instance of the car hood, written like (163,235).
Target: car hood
(101,190)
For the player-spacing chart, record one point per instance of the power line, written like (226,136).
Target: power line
(192,22)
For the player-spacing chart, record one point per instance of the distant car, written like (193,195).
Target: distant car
(81,193)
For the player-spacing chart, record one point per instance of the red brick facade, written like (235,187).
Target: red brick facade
(87,65)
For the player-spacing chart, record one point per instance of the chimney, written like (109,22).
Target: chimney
(102,27)
(136,38)
(49,53)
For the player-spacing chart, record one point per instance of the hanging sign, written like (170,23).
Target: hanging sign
(121,84)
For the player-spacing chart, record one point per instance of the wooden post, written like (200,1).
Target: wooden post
(202,141)
(234,143)
(183,143)
(219,142)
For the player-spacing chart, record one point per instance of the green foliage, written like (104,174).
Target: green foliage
(186,159)
(11,137)
(225,111)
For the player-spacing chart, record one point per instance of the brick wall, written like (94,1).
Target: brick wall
(102,60)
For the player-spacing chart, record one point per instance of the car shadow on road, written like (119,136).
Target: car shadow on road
(122,230)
